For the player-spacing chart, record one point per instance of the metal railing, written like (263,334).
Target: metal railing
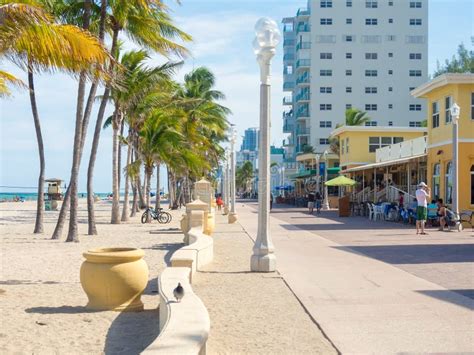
(303,63)
(303,12)
(303,45)
(400,150)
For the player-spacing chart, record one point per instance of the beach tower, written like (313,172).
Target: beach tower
(53,194)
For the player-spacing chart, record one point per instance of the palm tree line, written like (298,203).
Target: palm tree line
(159,122)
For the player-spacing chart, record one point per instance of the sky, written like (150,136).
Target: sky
(222,32)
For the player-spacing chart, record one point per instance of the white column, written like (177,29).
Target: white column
(226,184)
(326,197)
(268,36)
(455,163)
(232,214)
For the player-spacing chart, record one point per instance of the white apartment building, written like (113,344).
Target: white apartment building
(362,54)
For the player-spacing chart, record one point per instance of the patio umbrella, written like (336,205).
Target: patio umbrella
(340,181)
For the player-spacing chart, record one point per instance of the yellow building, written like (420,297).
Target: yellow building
(441,93)
(358,144)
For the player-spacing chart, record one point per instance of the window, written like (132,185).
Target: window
(448,102)
(415,22)
(472,184)
(348,3)
(472,105)
(325,56)
(348,106)
(348,72)
(371,21)
(390,55)
(326,21)
(448,183)
(325,90)
(371,4)
(415,39)
(390,3)
(348,21)
(325,107)
(415,72)
(325,124)
(371,39)
(390,20)
(386,141)
(325,39)
(347,145)
(370,107)
(415,124)
(415,107)
(435,115)
(390,123)
(348,89)
(342,149)
(391,38)
(390,106)
(370,55)
(371,90)
(348,55)
(374,144)
(323,141)
(436,174)
(415,56)
(390,72)
(397,140)
(325,4)
(411,88)
(371,73)
(325,72)
(348,38)
(390,88)
(288,70)
(415,4)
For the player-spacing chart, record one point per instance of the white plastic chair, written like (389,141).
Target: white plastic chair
(371,210)
(378,212)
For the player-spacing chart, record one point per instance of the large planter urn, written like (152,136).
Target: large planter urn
(114,278)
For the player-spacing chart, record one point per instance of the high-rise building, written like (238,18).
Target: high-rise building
(250,141)
(366,55)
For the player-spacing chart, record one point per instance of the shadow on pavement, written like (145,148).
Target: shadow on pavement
(453,296)
(416,254)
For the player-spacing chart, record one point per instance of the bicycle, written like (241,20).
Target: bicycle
(161,216)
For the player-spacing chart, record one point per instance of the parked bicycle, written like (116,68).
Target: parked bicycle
(161,216)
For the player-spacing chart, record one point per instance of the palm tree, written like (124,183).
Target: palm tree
(354,117)
(64,47)
(146,23)
(244,176)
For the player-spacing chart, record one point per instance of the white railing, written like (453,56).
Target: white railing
(401,150)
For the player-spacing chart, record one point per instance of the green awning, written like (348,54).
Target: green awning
(334,171)
(303,174)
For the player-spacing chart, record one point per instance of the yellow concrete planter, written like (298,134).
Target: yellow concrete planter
(114,278)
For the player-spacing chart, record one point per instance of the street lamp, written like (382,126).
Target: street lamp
(455,112)
(226,183)
(232,218)
(326,197)
(267,38)
(318,156)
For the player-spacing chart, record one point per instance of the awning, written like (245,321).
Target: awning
(303,174)
(333,171)
(384,163)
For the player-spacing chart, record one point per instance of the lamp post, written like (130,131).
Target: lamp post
(226,183)
(326,197)
(282,185)
(232,218)
(318,156)
(267,38)
(455,112)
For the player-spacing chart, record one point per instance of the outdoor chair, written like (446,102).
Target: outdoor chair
(432,218)
(378,212)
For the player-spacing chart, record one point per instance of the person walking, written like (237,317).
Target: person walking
(423,193)
(219,202)
(310,203)
(318,201)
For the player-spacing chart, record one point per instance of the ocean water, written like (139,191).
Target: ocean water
(32,196)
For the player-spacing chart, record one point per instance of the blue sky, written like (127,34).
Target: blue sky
(223,33)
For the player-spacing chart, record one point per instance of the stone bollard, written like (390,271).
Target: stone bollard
(196,205)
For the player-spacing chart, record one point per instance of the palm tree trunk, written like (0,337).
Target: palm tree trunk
(148,173)
(125,210)
(115,219)
(62,215)
(39,138)
(135,199)
(92,229)
(141,192)
(122,126)
(158,196)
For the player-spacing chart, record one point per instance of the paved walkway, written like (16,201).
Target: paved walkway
(376,287)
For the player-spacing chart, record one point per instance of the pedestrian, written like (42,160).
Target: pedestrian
(310,203)
(442,214)
(271,201)
(318,201)
(219,202)
(423,193)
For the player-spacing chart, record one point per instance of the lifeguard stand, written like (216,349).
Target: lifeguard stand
(53,194)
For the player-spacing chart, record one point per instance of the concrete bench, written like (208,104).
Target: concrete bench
(184,326)
(198,253)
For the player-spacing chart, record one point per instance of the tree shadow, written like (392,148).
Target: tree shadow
(28,282)
(463,298)
(132,332)
(60,310)
(170,249)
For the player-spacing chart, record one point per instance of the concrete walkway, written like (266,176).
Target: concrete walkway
(368,303)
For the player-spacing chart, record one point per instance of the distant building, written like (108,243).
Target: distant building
(250,141)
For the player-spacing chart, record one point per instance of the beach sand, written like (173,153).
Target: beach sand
(42,301)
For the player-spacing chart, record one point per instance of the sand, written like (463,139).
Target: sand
(42,302)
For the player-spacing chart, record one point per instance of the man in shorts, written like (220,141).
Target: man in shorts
(423,194)
(310,203)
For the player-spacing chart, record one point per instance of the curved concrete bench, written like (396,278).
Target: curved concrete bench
(184,326)
(198,253)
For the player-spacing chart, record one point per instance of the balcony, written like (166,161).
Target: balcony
(303,45)
(303,28)
(303,12)
(302,131)
(303,80)
(289,86)
(303,63)
(303,114)
(406,149)
(303,97)
(289,57)
(288,42)
(287,100)
(288,128)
